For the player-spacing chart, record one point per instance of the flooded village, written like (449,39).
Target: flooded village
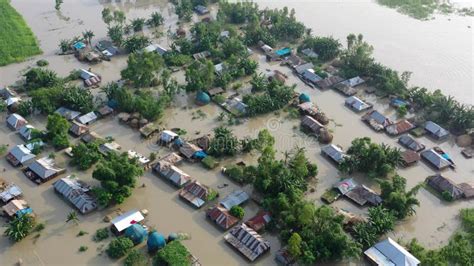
(197,185)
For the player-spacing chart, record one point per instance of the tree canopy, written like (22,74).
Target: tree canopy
(19,227)
(397,199)
(57,128)
(142,68)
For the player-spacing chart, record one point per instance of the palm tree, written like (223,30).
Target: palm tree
(88,35)
(64,45)
(155,20)
(72,217)
(137,24)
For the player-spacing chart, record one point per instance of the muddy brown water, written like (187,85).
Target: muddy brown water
(58,244)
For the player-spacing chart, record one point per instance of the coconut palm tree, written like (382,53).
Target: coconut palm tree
(72,217)
(64,45)
(155,20)
(88,35)
(137,24)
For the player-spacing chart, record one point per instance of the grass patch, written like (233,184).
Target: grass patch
(16,38)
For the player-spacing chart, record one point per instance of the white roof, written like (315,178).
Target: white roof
(141,159)
(167,135)
(389,252)
(125,220)
(87,118)
(12,100)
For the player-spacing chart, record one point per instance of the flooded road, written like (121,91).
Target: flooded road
(58,243)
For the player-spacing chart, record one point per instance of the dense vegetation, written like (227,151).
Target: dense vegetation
(142,68)
(16,38)
(117,175)
(274,96)
(423,9)
(119,247)
(85,155)
(327,48)
(397,199)
(371,158)
(57,129)
(20,227)
(459,250)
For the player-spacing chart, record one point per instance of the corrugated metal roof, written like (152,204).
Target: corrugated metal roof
(235,198)
(389,252)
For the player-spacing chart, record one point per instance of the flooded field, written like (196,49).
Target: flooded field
(58,244)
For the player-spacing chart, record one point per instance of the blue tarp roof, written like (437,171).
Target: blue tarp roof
(24,211)
(79,45)
(178,142)
(283,52)
(399,102)
(200,155)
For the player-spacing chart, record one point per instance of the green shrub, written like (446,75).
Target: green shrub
(447,196)
(42,63)
(210,162)
(237,212)
(83,248)
(101,234)
(135,258)
(172,254)
(119,247)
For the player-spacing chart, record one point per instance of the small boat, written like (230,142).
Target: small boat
(445,156)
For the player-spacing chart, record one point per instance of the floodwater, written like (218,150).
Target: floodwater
(439,52)
(58,243)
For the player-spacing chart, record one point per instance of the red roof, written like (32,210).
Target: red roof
(259,221)
(222,217)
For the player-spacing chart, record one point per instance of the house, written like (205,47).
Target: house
(201,55)
(201,10)
(25,132)
(107,48)
(444,185)
(149,129)
(124,221)
(284,258)
(467,189)
(410,157)
(436,131)
(79,45)
(11,191)
(203,142)
(235,106)
(172,173)
(67,113)
(105,111)
(294,61)
(167,136)
(235,198)
(20,155)
(12,101)
(172,158)
(410,143)
(266,48)
(328,82)
(109,147)
(141,159)
(311,124)
(16,121)
(6,93)
(90,137)
(310,76)
(195,193)
(221,217)
(156,48)
(13,207)
(376,120)
(435,159)
(42,170)
(397,103)
(389,252)
(333,152)
(188,150)
(247,241)
(357,104)
(77,193)
(353,82)
(345,185)
(259,221)
(345,89)
(215,91)
(78,129)
(307,108)
(309,53)
(87,119)
(218,68)
(90,79)
(363,195)
(400,127)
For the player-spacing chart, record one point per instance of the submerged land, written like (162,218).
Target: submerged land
(209,75)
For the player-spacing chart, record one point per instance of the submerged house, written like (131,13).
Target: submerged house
(195,193)
(400,127)
(376,120)
(172,158)
(77,193)
(445,186)
(345,185)
(333,152)
(259,221)
(389,252)
(87,119)
(201,10)
(363,195)
(353,82)
(67,113)
(155,48)
(345,89)
(328,82)
(188,150)
(25,132)
(149,129)
(410,157)
(90,137)
(435,159)
(124,221)
(78,129)
(15,207)
(309,53)
(11,191)
(410,143)
(300,68)
(19,155)
(109,147)
(141,159)
(167,136)
(16,121)
(308,108)
(310,76)
(42,170)
(247,241)
(90,79)
(357,104)
(436,131)
(235,106)
(235,198)
(221,217)
(311,124)
(172,173)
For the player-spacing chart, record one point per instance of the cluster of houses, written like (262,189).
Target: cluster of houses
(12,202)
(313,120)
(104,50)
